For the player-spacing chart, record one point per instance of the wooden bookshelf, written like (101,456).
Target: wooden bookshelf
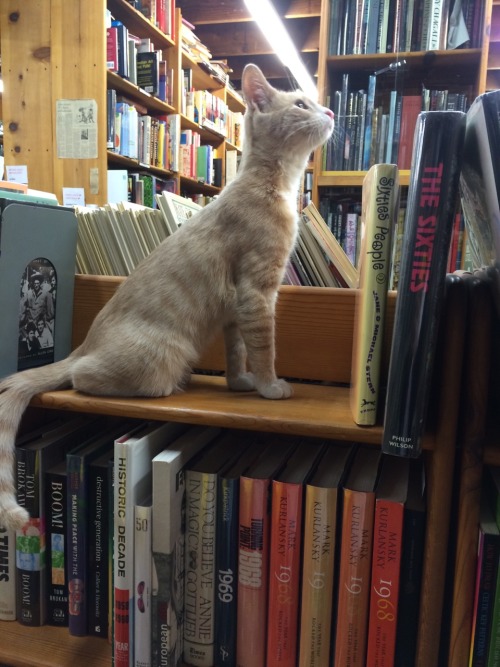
(314,339)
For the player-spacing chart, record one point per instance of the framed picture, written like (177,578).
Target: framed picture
(176,209)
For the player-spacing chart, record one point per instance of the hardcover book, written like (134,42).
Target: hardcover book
(8,606)
(226,560)
(56,555)
(253,558)
(200,550)
(35,454)
(356,546)
(143,581)
(133,456)
(285,553)
(169,525)
(380,198)
(480,179)
(321,518)
(37,273)
(392,489)
(77,462)
(431,206)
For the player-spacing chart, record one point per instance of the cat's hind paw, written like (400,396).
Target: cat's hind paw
(243,382)
(276,390)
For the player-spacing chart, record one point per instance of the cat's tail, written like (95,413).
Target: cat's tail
(16,391)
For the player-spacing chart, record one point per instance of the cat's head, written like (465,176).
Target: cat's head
(278,119)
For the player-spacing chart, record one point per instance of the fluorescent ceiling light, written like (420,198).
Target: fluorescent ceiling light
(266,17)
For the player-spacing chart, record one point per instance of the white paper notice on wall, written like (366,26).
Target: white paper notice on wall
(17,173)
(73,196)
(76,128)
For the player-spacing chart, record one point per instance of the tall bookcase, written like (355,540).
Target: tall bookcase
(53,51)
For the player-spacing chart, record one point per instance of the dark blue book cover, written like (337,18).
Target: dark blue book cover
(77,462)
(226,559)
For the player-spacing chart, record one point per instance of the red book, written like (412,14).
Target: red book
(356,559)
(285,555)
(112,49)
(412,106)
(391,494)
(253,553)
(161,15)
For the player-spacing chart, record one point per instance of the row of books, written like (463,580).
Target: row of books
(392,26)
(115,238)
(161,13)
(373,131)
(209,111)
(231,547)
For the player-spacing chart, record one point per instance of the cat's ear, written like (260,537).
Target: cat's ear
(257,92)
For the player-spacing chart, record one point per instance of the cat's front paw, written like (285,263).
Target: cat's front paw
(276,390)
(243,382)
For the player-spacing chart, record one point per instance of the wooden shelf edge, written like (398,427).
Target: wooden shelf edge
(353,178)
(54,646)
(313,411)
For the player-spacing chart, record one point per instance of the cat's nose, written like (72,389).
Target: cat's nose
(330,113)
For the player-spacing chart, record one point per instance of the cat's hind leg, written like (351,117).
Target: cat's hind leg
(237,376)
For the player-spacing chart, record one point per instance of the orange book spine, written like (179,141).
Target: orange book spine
(253,572)
(384,594)
(354,578)
(284,571)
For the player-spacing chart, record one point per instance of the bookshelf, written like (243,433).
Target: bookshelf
(461,70)
(314,338)
(62,55)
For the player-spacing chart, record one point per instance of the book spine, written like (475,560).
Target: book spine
(253,568)
(8,606)
(30,548)
(76,546)
(388,532)
(226,570)
(431,206)
(98,528)
(317,576)
(380,202)
(354,578)
(284,571)
(199,593)
(487,572)
(142,586)
(123,550)
(57,583)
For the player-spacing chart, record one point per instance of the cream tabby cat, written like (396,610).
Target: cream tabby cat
(221,270)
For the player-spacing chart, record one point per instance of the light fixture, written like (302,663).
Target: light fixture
(266,17)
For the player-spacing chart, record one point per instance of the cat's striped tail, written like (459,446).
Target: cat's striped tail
(16,391)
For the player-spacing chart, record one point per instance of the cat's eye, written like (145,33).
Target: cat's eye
(301,104)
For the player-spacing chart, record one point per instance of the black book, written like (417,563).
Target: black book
(148,72)
(480,179)
(432,201)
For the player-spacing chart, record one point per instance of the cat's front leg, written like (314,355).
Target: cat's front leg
(256,324)
(237,376)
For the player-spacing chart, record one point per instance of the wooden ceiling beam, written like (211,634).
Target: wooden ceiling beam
(234,11)
(243,39)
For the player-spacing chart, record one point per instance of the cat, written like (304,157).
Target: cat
(220,270)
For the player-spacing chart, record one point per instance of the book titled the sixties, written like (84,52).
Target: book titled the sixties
(480,179)
(380,197)
(37,273)
(431,206)
(285,554)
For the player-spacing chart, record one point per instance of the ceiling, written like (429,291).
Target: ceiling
(226,28)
